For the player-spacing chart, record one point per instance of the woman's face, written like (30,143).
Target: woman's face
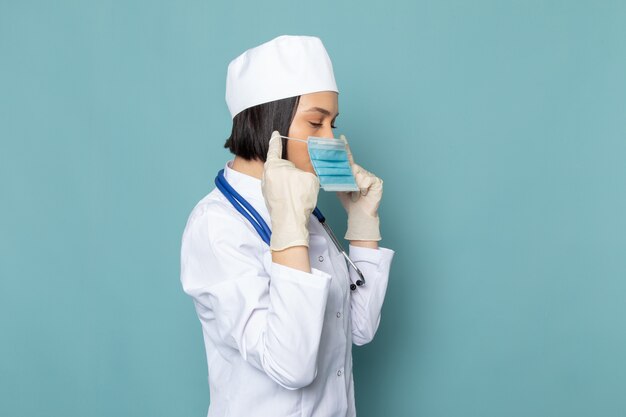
(315,116)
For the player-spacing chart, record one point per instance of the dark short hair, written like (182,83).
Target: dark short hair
(253,127)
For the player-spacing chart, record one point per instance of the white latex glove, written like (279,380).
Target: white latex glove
(362,206)
(290,195)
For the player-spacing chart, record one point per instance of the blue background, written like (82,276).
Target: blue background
(498,127)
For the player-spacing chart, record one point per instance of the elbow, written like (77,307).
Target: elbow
(300,381)
(291,371)
(296,379)
(365,334)
(360,339)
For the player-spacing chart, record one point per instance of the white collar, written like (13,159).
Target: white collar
(248,186)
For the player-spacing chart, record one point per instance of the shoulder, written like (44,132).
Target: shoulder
(219,243)
(215,219)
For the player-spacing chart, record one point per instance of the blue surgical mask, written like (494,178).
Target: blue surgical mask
(329,158)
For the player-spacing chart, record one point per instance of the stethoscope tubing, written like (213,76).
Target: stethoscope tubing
(250,213)
(237,201)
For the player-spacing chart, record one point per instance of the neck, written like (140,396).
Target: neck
(254,168)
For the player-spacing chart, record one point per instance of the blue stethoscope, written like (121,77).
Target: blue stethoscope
(253,216)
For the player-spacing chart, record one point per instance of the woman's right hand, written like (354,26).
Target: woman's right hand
(290,195)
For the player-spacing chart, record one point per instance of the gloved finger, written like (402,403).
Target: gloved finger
(359,176)
(364,171)
(350,158)
(365,183)
(275,149)
(377,183)
(356,169)
(359,173)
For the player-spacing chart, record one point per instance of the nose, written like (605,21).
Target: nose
(328,132)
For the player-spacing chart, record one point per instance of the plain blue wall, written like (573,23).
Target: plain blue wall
(498,127)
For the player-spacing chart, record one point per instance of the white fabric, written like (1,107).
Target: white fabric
(278,340)
(284,67)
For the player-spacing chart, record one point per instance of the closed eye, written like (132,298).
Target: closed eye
(318,125)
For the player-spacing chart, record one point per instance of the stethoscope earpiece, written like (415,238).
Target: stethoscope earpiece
(322,220)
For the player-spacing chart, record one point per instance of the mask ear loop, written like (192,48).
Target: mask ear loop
(305,141)
(299,140)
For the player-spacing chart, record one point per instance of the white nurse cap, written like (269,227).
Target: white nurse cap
(284,67)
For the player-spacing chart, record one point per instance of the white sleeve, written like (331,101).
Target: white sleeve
(273,319)
(367,300)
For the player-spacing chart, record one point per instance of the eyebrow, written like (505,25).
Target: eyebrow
(321,110)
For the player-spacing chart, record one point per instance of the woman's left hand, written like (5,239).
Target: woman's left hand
(362,205)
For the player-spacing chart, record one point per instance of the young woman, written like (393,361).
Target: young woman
(279,309)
